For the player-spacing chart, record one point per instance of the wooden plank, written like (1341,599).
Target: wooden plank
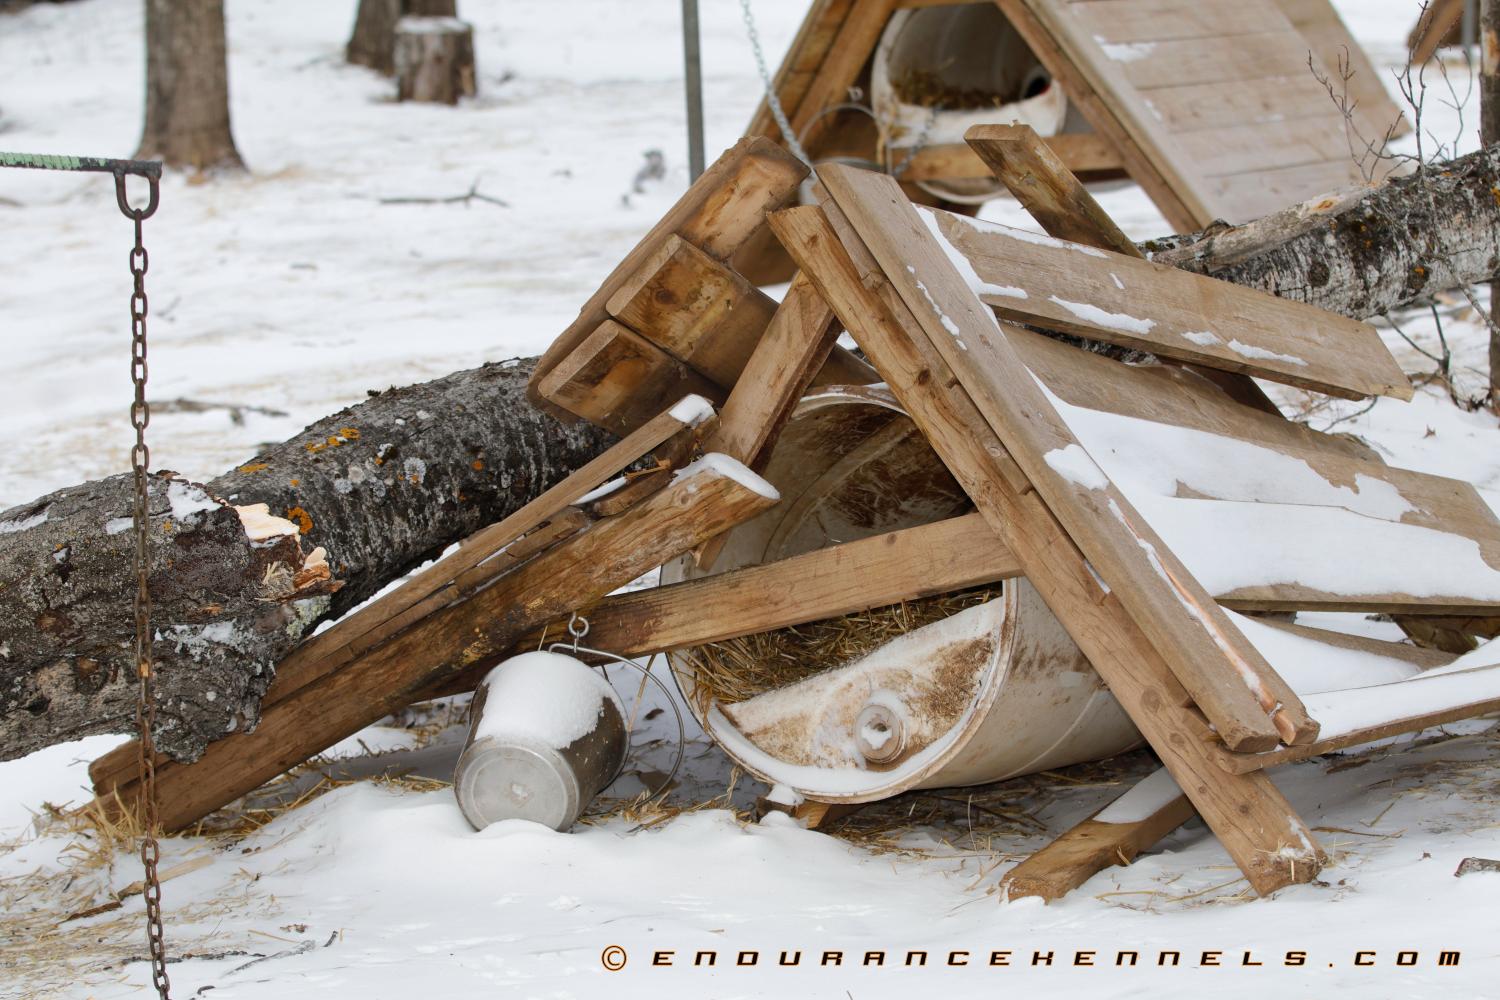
(1273,52)
(1252,819)
(1273,145)
(1045,187)
(1170,20)
(1089,848)
(1079,152)
(840,67)
(1219,104)
(1065,209)
(1251,763)
(800,65)
(1328,38)
(1126,79)
(1434,29)
(1227,678)
(1176,314)
(618,379)
(1244,196)
(610,554)
(473,564)
(855,576)
(694,308)
(1346,477)
(1426,659)
(1098,85)
(795,345)
(719,213)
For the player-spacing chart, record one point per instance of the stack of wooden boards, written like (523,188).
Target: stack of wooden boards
(1142,501)
(1152,506)
(1215,107)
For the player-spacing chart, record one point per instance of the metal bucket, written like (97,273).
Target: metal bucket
(1003,691)
(546,735)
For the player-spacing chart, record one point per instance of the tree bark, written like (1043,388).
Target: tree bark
(1364,252)
(187,86)
(382,487)
(1489,135)
(373,41)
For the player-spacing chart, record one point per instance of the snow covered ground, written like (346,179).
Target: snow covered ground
(293,290)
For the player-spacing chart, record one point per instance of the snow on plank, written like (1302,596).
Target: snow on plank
(1268,514)
(1077,289)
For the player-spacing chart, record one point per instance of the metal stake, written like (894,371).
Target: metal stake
(693,71)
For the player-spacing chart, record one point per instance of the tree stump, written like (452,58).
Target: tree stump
(373,42)
(434,59)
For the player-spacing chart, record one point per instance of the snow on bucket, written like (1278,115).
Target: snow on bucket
(960,689)
(546,735)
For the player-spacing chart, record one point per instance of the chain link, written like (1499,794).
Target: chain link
(793,141)
(140,463)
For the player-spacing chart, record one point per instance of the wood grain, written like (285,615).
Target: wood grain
(1188,317)
(1252,819)
(1227,678)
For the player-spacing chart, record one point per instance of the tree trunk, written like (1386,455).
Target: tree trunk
(434,60)
(373,42)
(187,86)
(1365,252)
(381,486)
(1489,135)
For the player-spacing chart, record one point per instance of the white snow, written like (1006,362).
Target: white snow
(723,465)
(1075,465)
(1261,354)
(603,490)
(1128,52)
(23,524)
(692,410)
(1203,338)
(188,499)
(544,698)
(1089,313)
(116,525)
(1143,800)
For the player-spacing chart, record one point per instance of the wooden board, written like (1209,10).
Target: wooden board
(723,209)
(1115,57)
(1331,41)
(694,308)
(1123,300)
(618,379)
(1079,152)
(1439,24)
(1031,170)
(1088,849)
(1227,678)
(1331,514)
(608,555)
(1252,819)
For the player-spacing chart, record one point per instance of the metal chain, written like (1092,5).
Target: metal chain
(140,461)
(793,141)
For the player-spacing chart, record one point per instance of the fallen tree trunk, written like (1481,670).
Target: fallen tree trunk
(1363,252)
(380,487)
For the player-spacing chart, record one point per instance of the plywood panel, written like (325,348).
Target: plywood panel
(1154,83)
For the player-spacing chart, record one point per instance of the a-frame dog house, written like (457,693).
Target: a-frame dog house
(1152,507)
(1017,418)
(1214,107)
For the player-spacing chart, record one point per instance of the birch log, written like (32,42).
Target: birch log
(379,488)
(1366,251)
